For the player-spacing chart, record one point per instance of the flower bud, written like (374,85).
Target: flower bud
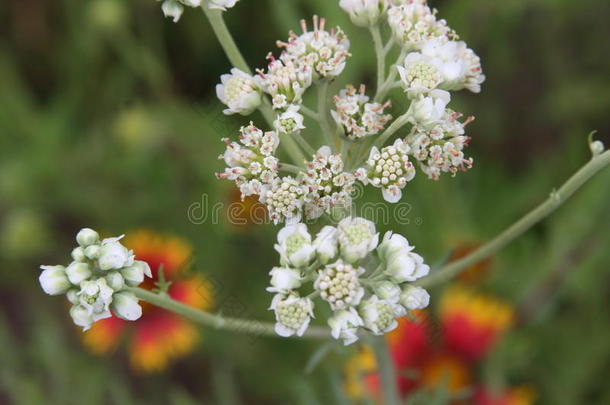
(597,148)
(53,280)
(86,237)
(239,91)
(387,290)
(221,4)
(357,237)
(284,279)
(78,254)
(172,9)
(292,314)
(72,296)
(113,255)
(78,272)
(326,244)
(380,315)
(401,263)
(93,252)
(96,296)
(413,297)
(81,317)
(344,325)
(115,280)
(364,13)
(125,306)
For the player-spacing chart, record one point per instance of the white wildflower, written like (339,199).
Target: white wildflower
(54,280)
(364,13)
(289,121)
(284,199)
(326,244)
(294,245)
(357,237)
(239,91)
(379,315)
(113,255)
(414,22)
(413,297)
(344,325)
(356,115)
(172,9)
(400,262)
(339,285)
(284,279)
(285,82)
(292,314)
(95,296)
(125,306)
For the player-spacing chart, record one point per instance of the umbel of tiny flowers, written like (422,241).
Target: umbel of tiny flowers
(366,285)
(94,282)
(239,91)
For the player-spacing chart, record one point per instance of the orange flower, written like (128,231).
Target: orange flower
(472,323)
(159,336)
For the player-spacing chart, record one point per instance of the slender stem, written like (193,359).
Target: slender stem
(290,168)
(390,81)
(391,130)
(323,112)
(380,52)
(387,373)
(218,321)
(518,228)
(225,38)
(309,112)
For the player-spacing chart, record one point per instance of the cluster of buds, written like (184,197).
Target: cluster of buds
(285,82)
(174,8)
(328,185)
(356,116)
(240,92)
(251,163)
(414,22)
(95,281)
(440,149)
(388,169)
(367,284)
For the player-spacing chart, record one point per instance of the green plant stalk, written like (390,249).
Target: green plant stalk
(237,60)
(556,199)
(381,54)
(390,81)
(323,113)
(385,367)
(218,321)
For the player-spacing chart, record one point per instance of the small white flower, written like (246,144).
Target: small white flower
(344,325)
(413,297)
(292,314)
(597,148)
(356,116)
(72,296)
(134,274)
(294,245)
(86,237)
(289,121)
(78,272)
(78,254)
(357,237)
(125,306)
(401,263)
(285,82)
(428,111)
(222,4)
(414,22)
(364,13)
(388,169)
(53,280)
(284,199)
(419,74)
(380,315)
(81,317)
(239,91)
(172,9)
(284,279)
(96,296)
(326,244)
(339,285)
(113,255)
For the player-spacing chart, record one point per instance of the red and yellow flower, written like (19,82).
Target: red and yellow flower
(159,336)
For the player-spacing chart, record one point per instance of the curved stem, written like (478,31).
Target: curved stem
(518,228)
(323,112)
(387,373)
(381,53)
(217,321)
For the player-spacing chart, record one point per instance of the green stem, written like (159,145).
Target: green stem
(380,52)
(303,143)
(390,81)
(323,112)
(218,321)
(387,373)
(518,228)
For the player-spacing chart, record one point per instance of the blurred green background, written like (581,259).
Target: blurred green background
(108,119)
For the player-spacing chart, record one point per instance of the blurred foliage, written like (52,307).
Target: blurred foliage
(109,120)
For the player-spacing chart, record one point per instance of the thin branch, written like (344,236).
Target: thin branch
(555,200)
(381,54)
(387,372)
(217,321)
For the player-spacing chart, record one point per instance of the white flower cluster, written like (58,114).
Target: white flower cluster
(240,92)
(413,22)
(335,261)
(388,169)
(328,185)
(251,163)
(364,13)
(174,8)
(356,116)
(440,149)
(94,282)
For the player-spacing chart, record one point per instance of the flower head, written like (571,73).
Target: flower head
(284,279)
(364,13)
(339,285)
(414,22)
(357,237)
(326,244)
(400,262)
(294,245)
(292,314)
(289,121)
(413,297)
(356,115)
(388,169)
(380,315)
(325,52)
(284,199)
(344,325)
(239,91)
(285,82)
(427,111)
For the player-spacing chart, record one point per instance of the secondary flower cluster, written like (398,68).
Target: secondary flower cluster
(94,282)
(338,261)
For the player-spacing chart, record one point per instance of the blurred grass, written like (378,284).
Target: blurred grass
(109,120)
